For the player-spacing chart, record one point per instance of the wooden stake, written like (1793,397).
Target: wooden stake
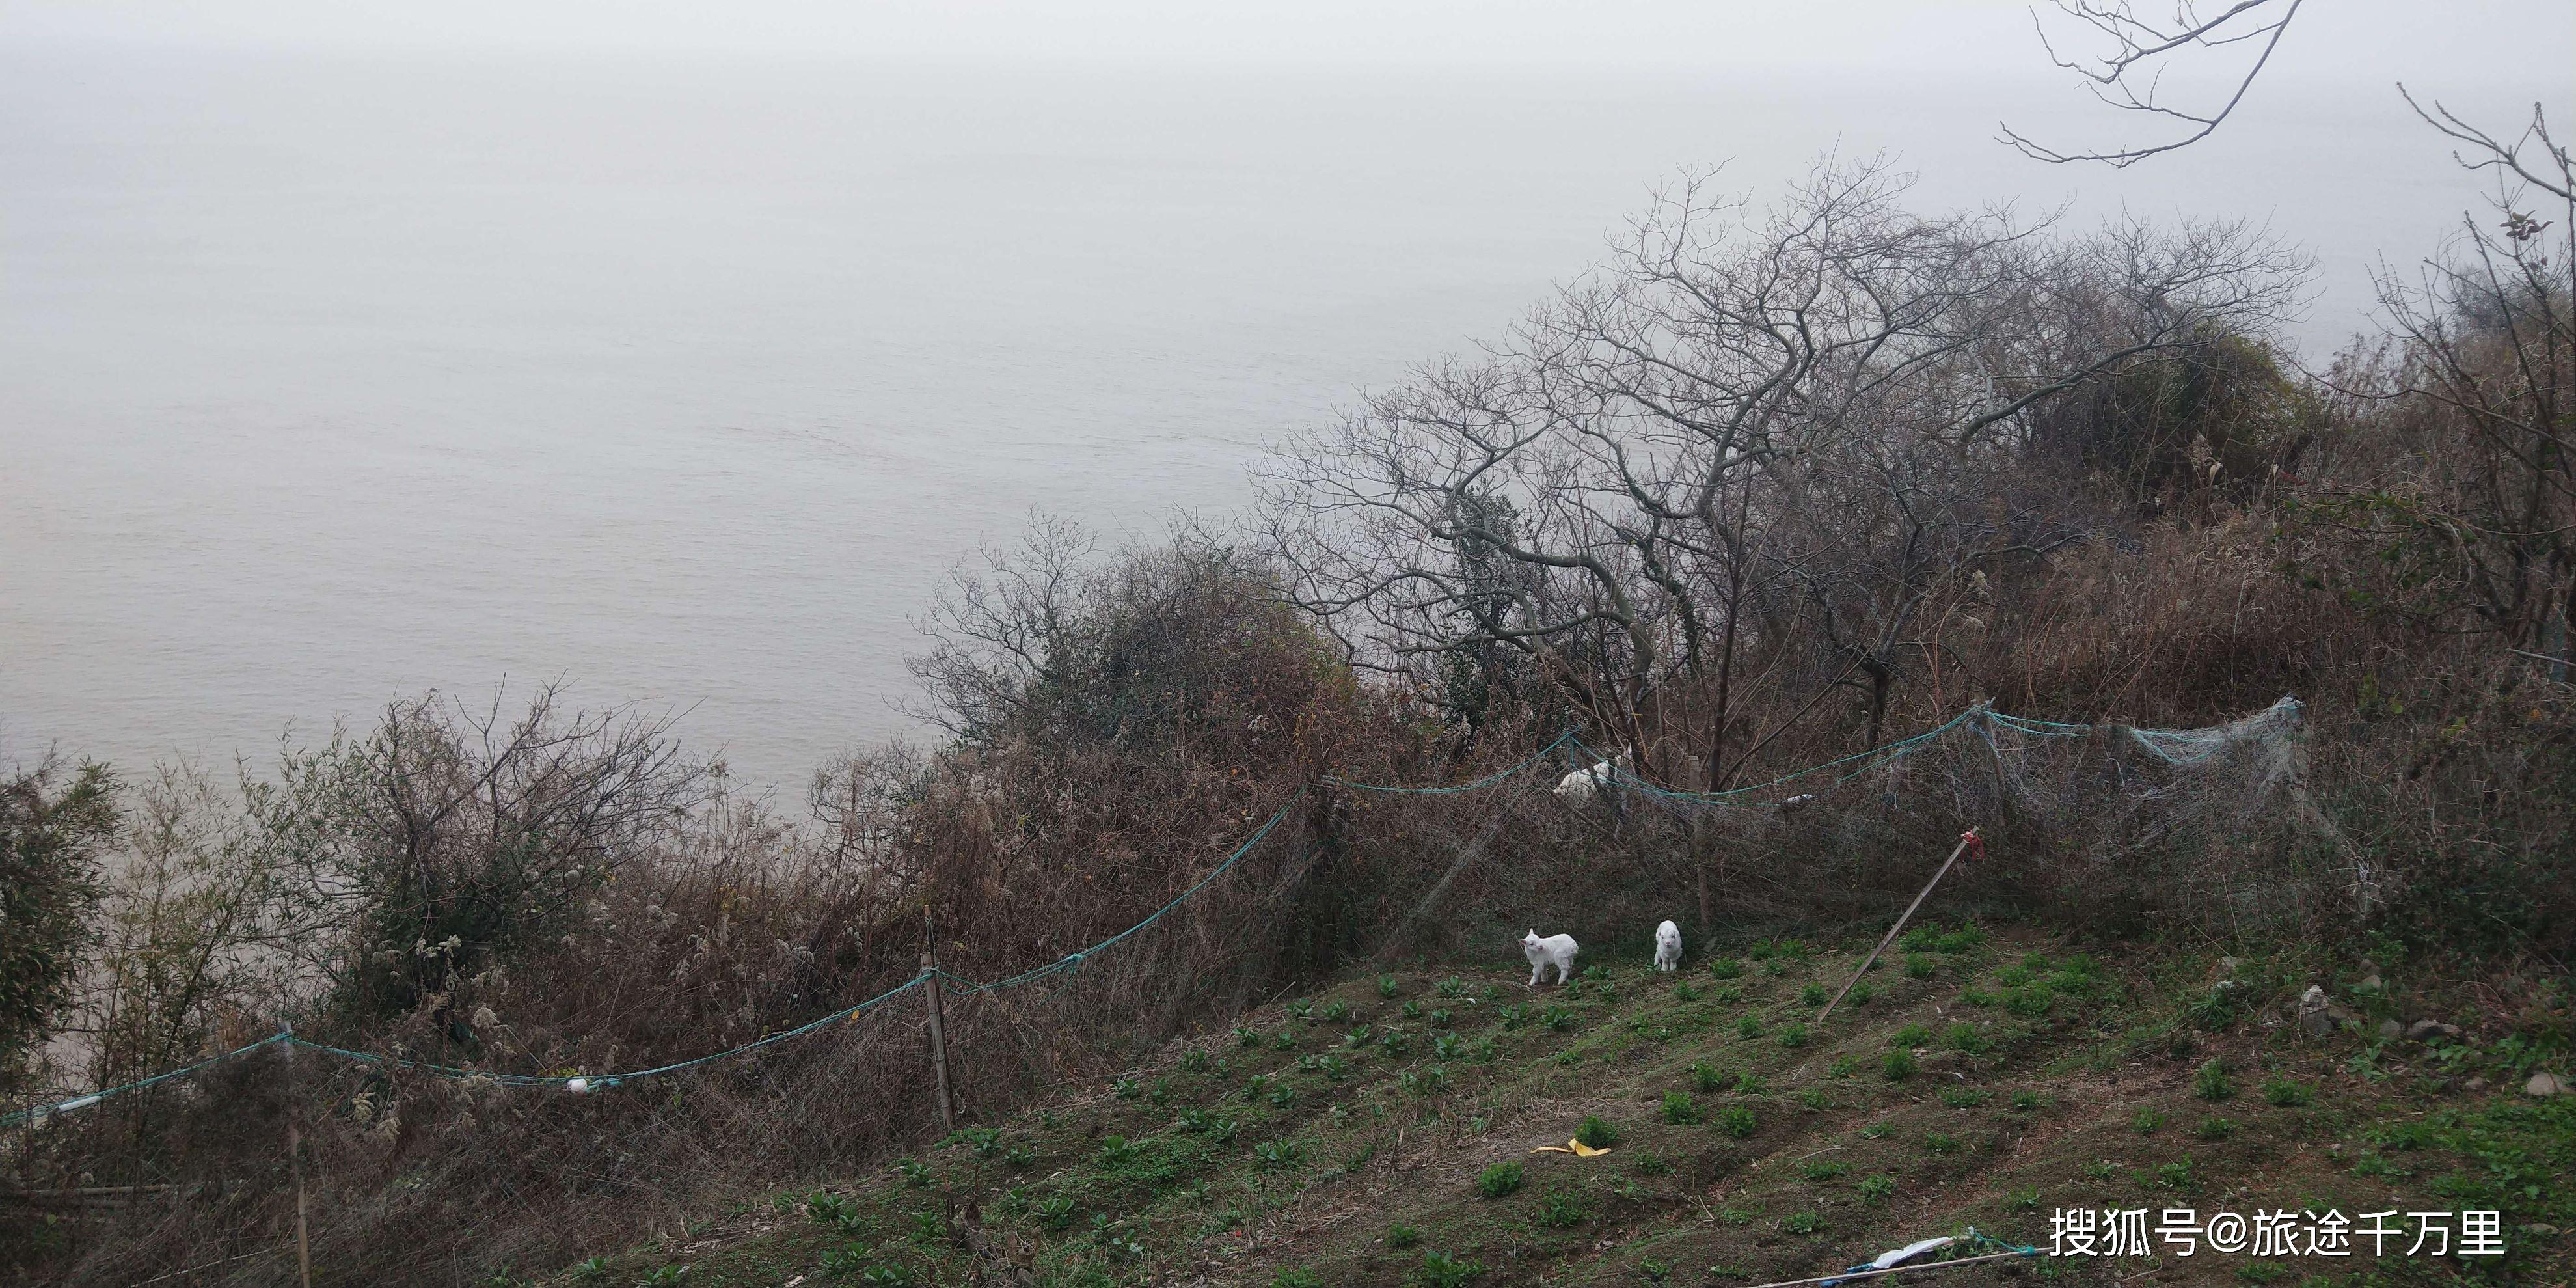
(938,1035)
(1966,839)
(295,1165)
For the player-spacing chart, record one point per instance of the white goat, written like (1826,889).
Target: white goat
(1668,947)
(1581,786)
(1555,951)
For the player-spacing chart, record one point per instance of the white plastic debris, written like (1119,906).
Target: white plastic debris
(1899,1256)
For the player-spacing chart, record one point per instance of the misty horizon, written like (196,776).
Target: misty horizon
(340,364)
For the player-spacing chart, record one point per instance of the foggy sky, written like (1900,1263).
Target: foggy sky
(2452,43)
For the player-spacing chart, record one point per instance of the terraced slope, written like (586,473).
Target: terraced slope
(1382,1132)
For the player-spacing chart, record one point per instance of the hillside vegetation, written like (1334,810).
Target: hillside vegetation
(1382,1132)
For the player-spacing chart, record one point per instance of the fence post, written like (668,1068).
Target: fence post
(295,1164)
(938,1035)
(1966,839)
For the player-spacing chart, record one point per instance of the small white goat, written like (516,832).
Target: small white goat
(1581,786)
(1668,947)
(1549,951)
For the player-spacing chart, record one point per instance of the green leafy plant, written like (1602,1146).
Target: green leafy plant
(1749,1027)
(2146,1122)
(1918,966)
(1964,1038)
(1875,1189)
(1725,968)
(1246,1037)
(1401,1236)
(1336,1011)
(1561,1211)
(2286,1094)
(1803,1222)
(1296,1277)
(1558,1018)
(2211,1083)
(1501,1180)
(1596,1133)
(1452,987)
(1386,985)
(1963,1097)
(1441,1270)
(1815,1098)
(2030,1003)
(1737,1121)
(929,1227)
(1791,1035)
(1708,1077)
(1813,995)
(2028,1101)
(1412,1009)
(1874,1130)
(1824,1171)
(2214,1128)
(830,1209)
(1898,1066)
(1940,1142)
(1911,1036)
(1278,1155)
(1680,1109)
(1055,1213)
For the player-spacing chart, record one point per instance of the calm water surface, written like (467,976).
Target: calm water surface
(326,380)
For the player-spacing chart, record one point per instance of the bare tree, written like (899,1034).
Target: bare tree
(2128,73)
(2477,510)
(455,833)
(1742,422)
